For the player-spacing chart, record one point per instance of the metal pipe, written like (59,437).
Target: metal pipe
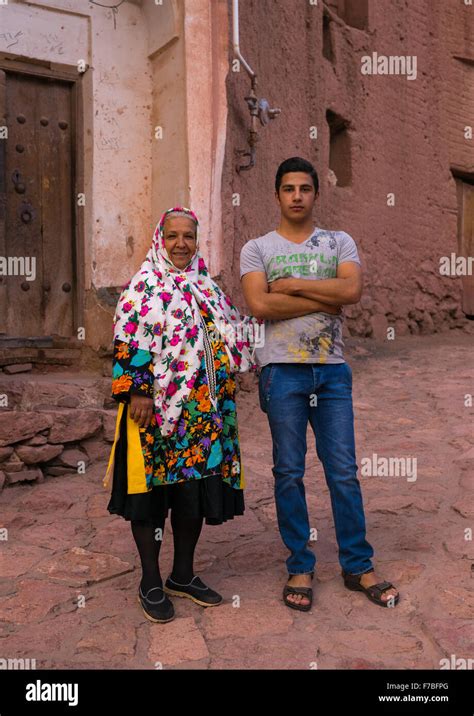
(235,38)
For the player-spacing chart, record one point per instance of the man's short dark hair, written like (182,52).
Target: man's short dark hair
(296,164)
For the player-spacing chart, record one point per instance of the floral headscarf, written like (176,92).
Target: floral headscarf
(158,311)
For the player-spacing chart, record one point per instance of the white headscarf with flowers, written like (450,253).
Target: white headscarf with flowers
(158,311)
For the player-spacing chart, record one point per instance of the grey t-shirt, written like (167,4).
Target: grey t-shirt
(316,337)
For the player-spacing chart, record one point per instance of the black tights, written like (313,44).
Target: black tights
(148,538)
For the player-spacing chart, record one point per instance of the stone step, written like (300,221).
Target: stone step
(44,356)
(35,391)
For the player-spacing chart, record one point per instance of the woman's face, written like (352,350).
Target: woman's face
(180,240)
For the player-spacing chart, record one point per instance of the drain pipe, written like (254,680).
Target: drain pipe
(258,108)
(235,37)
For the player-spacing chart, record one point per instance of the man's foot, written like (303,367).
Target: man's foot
(299,580)
(371,578)
(378,591)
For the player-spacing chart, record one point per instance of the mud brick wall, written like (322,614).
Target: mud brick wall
(402,136)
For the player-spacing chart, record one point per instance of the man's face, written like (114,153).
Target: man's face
(180,240)
(296,196)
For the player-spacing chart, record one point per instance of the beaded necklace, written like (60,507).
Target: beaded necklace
(209,365)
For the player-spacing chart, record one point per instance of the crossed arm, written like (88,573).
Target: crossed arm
(293,297)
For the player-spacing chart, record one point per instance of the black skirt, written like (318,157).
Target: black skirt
(208,497)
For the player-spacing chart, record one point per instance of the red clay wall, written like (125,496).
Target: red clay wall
(405,137)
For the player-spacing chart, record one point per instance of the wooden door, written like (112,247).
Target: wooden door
(37,208)
(465,196)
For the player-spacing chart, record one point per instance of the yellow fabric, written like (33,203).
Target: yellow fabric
(135,459)
(242,477)
(136,482)
(110,467)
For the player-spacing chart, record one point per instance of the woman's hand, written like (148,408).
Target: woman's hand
(141,409)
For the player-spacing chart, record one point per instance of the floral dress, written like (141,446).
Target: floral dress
(197,470)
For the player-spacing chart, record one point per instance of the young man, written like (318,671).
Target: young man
(297,278)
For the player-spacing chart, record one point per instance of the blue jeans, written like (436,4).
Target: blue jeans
(288,393)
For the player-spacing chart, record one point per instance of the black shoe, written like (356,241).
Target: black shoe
(157,609)
(195,590)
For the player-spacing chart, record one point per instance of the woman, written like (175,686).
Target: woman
(176,443)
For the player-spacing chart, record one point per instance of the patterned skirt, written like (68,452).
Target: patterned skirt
(208,497)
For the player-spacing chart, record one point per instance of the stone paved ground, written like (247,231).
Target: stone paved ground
(64,549)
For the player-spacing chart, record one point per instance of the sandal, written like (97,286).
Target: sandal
(374,592)
(304,591)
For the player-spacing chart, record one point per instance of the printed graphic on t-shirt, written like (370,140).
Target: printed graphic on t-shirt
(302,264)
